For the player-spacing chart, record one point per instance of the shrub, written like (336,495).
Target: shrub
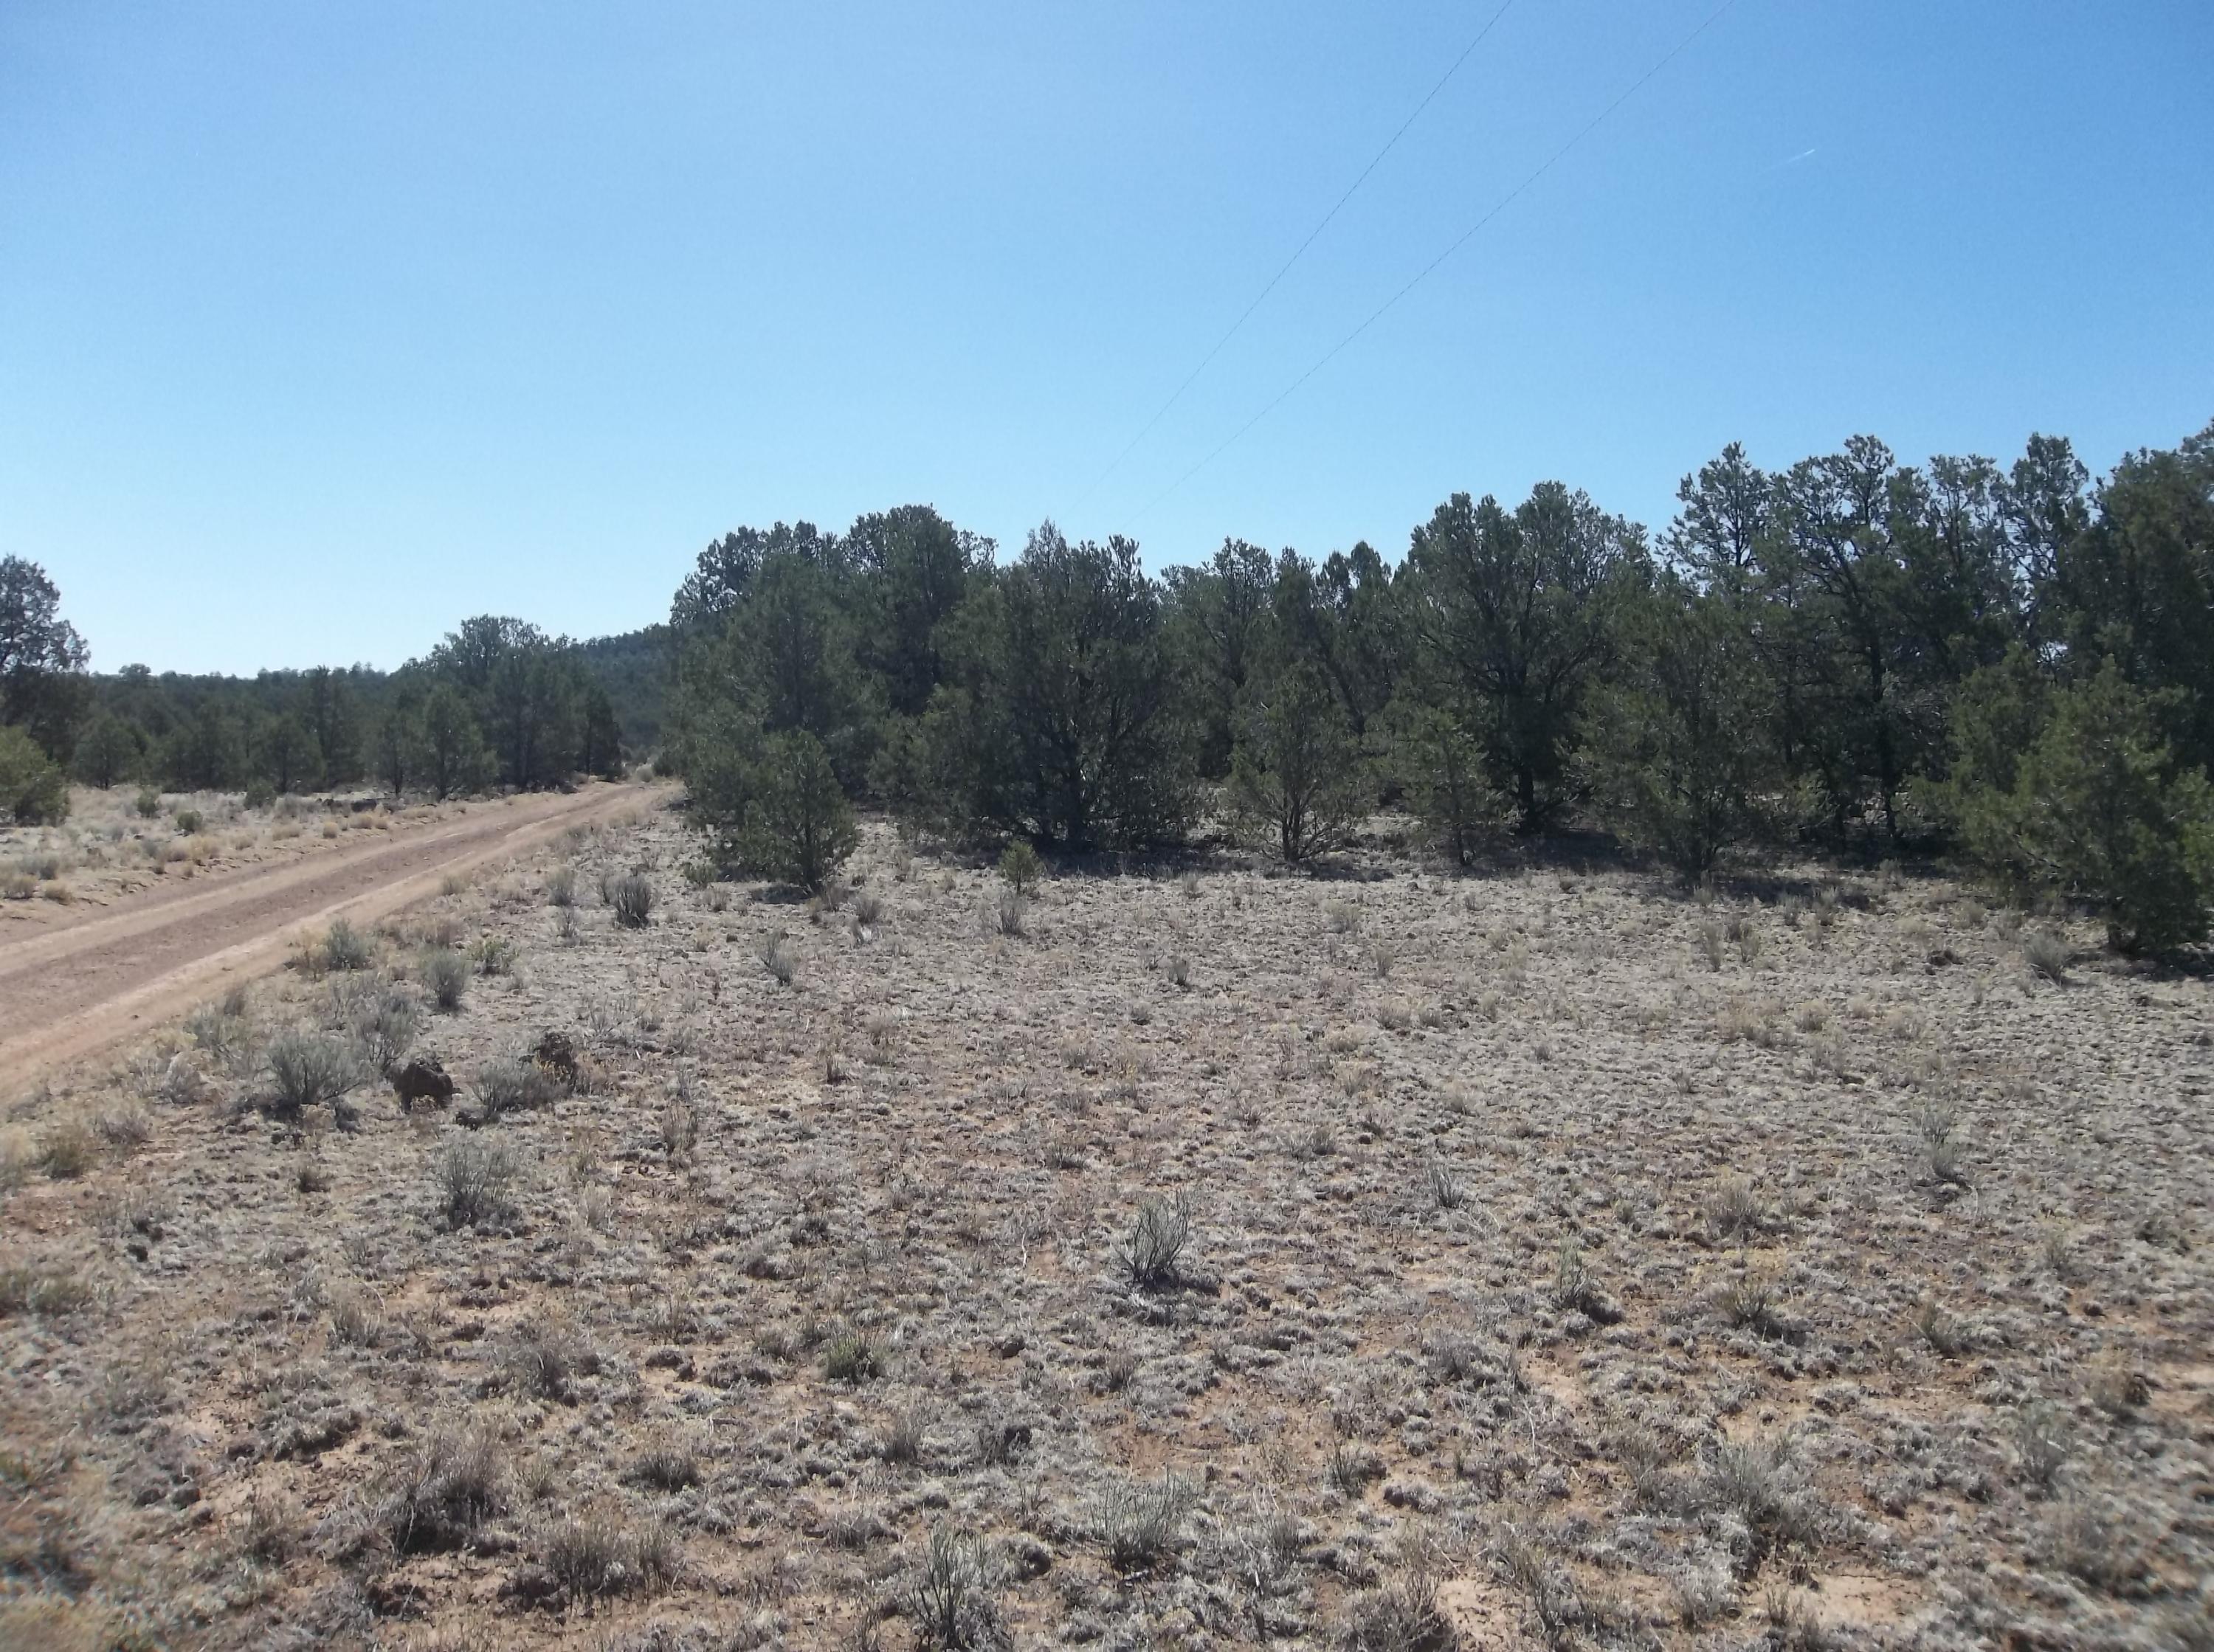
(2098,806)
(1158,1237)
(68,1151)
(306,1069)
(853,1356)
(445,974)
(505,1085)
(798,825)
(1402,1615)
(475,1177)
(190,821)
(1298,777)
(148,803)
(561,887)
(1677,751)
(383,1026)
(776,958)
(40,1291)
(631,898)
(1139,1525)
(345,948)
(493,955)
(1009,914)
(948,1598)
(33,790)
(596,1556)
(260,795)
(1440,764)
(1021,867)
(450,1488)
(2046,953)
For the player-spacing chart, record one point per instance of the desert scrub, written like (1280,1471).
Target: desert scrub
(475,1180)
(383,1025)
(1158,1236)
(561,887)
(630,896)
(68,1151)
(507,1084)
(41,1292)
(1138,1525)
(452,1485)
(948,1598)
(1008,915)
(2046,954)
(853,1356)
(777,958)
(345,948)
(596,1555)
(493,955)
(307,1069)
(445,975)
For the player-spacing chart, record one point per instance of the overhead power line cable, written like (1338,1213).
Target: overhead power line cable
(1458,242)
(1285,268)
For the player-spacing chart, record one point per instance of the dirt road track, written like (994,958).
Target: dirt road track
(71,992)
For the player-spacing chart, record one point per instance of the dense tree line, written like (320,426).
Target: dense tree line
(497,703)
(1851,653)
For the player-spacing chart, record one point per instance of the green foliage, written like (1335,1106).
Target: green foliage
(1022,867)
(1440,766)
(1073,729)
(32,789)
(1299,780)
(1676,747)
(451,754)
(42,660)
(798,825)
(107,752)
(1518,616)
(2100,809)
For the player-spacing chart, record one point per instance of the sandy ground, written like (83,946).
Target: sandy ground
(1570,1263)
(90,976)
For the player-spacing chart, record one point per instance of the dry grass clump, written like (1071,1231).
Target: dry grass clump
(453,1483)
(1138,1525)
(42,1291)
(445,975)
(948,1597)
(630,898)
(1158,1236)
(475,1181)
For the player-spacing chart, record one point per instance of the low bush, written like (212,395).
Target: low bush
(631,898)
(1158,1237)
(445,974)
(475,1178)
(306,1069)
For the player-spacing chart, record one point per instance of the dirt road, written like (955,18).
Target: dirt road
(71,992)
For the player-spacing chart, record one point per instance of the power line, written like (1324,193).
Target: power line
(1246,314)
(1458,241)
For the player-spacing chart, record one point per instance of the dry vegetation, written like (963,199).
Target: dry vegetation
(1389,1260)
(110,846)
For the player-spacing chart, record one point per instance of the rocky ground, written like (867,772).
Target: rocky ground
(1187,1254)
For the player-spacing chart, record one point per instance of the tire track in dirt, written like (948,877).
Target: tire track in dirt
(71,992)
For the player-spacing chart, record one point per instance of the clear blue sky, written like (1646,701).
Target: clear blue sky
(323,325)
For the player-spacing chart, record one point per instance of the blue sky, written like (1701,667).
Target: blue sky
(322,327)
